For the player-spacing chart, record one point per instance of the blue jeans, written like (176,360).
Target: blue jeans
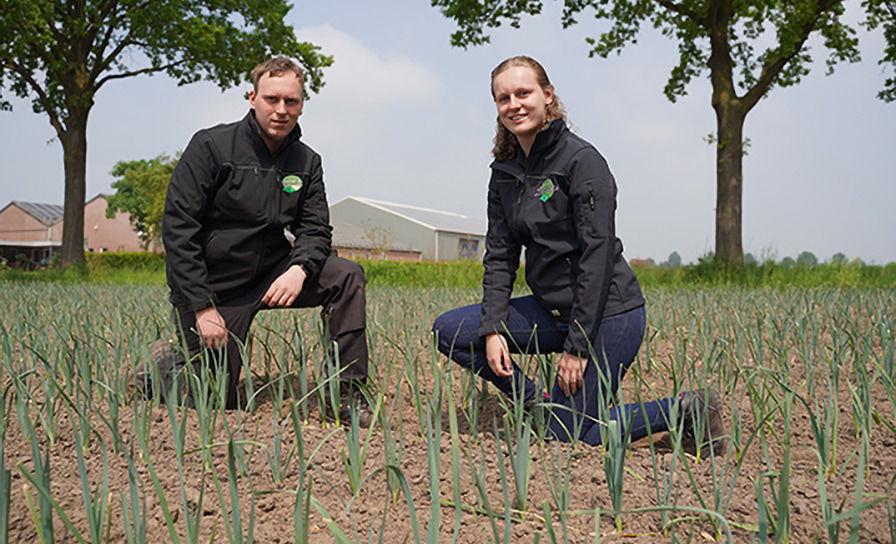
(533,330)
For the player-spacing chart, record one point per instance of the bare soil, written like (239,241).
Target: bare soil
(378,512)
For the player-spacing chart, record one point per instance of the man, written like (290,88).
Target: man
(246,228)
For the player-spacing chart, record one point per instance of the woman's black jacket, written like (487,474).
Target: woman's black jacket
(558,203)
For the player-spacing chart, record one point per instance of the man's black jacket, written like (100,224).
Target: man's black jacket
(228,203)
(560,204)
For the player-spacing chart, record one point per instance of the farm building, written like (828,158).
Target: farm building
(33,231)
(354,242)
(437,235)
(30,230)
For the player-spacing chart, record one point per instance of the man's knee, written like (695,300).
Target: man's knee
(345,272)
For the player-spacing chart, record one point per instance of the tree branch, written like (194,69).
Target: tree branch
(132,73)
(103,63)
(97,25)
(775,64)
(684,12)
(42,96)
(48,19)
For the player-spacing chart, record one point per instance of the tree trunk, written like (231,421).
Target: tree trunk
(729,182)
(74,149)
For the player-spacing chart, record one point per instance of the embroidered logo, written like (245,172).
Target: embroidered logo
(545,190)
(291,184)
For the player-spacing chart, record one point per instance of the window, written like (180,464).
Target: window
(467,248)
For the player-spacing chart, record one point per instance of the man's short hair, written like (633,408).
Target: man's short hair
(277,66)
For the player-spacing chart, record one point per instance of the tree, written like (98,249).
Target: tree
(748,47)
(674,260)
(60,54)
(839,259)
(379,238)
(806,258)
(140,192)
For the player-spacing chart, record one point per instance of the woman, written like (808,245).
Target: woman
(552,193)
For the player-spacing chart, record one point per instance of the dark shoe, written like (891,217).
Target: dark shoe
(352,399)
(704,406)
(140,378)
(168,365)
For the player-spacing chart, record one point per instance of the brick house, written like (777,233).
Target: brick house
(32,231)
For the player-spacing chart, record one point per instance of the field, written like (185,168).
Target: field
(807,377)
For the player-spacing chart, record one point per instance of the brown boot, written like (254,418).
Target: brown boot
(704,406)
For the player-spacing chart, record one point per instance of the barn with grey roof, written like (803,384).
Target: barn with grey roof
(437,234)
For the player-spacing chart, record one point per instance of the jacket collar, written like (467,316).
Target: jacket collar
(255,134)
(545,141)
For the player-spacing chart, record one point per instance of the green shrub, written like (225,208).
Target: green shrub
(149,268)
(144,261)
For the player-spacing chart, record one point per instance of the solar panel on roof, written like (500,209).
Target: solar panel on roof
(48,214)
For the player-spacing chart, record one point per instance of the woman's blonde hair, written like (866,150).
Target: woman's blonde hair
(505,141)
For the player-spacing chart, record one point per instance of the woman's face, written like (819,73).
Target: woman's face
(522,103)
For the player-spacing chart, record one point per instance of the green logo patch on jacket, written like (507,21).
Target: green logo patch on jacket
(545,190)
(291,184)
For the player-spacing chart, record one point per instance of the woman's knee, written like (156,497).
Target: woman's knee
(444,328)
(453,329)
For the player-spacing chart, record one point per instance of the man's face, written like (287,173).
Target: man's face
(278,103)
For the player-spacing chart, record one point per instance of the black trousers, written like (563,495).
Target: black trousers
(338,290)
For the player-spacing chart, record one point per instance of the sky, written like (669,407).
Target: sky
(407,118)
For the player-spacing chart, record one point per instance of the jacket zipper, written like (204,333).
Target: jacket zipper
(258,249)
(519,197)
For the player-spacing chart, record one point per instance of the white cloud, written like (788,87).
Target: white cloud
(359,78)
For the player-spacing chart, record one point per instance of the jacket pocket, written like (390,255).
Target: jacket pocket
(587,210)
(241,197)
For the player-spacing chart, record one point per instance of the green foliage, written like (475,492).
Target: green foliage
(674,260)
(839,258)
(882,14)
(62,56)
(140,192)
(149,269)
(98,262)
(806,258)
(419,274)
(761,62)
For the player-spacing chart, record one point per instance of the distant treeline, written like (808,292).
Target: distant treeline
(149,269)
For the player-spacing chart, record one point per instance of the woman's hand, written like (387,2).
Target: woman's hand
(498,355)
(570,370)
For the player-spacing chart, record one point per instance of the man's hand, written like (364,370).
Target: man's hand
(498,355)
(211,326)
(286,288)
(570,370)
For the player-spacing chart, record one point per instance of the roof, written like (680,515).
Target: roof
(437,220)
(353,236)
(48,214)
